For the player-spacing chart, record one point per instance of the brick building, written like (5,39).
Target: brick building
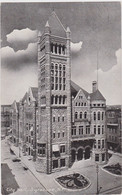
(6,119)
(59,122)
(15,123)
(114,128)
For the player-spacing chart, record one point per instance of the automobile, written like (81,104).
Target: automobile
(2,137)
(16,160)
(25,168)
(12,152)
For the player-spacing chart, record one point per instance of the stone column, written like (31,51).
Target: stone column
(84,154)
(76,156)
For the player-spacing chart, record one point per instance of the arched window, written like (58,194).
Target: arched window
(76,115)
(79,103)
(94,129)
(59,49)
(56,48)
(98,129)
(76,104)
(82,104)
(102,115)
(85,115)
(98,144)
(85,104)
(95,144)
(56,99)
(64,99)
(103,143)
(102,129)
(94,116)
(60,99)
(80,115)
(51,47)
(98,115)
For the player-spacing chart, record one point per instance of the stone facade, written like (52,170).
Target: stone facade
(6,119)
(59,122)
(114,128)
(15,123)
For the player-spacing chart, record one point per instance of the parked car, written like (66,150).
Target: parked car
(16,160)
(25,168)
(2,137)
(12,152)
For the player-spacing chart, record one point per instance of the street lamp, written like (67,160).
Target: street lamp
(97,171)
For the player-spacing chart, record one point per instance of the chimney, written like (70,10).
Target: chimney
(94,86)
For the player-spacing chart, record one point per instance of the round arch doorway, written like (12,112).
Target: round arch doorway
(73,154)
(87,152)
(80,154)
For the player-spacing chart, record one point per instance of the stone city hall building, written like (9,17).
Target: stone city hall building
(59,122)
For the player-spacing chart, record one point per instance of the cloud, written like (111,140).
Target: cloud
(109,82)
(16,60)
(19,39)
(15,84)
(76,47)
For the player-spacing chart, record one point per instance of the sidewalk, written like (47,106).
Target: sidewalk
(86,168)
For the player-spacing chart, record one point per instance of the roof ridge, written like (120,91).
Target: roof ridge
(53,13)
(80,87)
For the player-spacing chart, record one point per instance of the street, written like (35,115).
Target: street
(32,182)
(25,179)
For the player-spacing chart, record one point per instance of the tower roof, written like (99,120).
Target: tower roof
(56,26)
(75,88)
(97,96)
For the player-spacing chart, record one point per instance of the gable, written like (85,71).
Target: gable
(56,26)
(80,99)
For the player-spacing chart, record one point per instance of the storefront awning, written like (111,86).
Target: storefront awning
(55,148)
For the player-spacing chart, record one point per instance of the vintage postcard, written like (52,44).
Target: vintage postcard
(61,98)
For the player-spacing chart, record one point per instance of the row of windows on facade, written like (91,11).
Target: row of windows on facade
(81,115)
(112,138)
(29,140)
(97,157)
(5,123)
(58,48)
(59,67)
(58,118)
(97,130)
(58,163)
(58,135)
(111,130)
(58,99)
(111,114)
(80,104)
(85,104)
(58,86)
(99,144)
(41,149)
(54,99)
(96,116)
(81,130)
(58,79)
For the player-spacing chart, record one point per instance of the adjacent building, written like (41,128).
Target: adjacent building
(114,128)
(6,119)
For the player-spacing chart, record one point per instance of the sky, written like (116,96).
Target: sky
(95,40)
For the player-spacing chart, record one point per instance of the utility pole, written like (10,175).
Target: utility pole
(97,170)
(98,188)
